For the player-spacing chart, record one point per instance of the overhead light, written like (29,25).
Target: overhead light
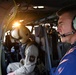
(35,7)
(21,20)
(38,7)
(16,24)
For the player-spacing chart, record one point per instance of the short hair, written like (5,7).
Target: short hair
(71,9)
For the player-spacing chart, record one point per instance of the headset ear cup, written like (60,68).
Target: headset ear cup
(74,23)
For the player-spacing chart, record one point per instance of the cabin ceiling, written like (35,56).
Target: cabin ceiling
(51,3)
(31,15)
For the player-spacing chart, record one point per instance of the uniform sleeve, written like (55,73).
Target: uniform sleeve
(31,55)
(67,66)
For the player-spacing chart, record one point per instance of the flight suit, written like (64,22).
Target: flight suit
(67,65)
(31,54)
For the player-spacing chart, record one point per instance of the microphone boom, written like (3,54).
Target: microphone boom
(70,33)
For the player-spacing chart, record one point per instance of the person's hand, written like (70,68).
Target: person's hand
(22,61)
(12,73)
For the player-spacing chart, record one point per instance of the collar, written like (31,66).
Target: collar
(74,44)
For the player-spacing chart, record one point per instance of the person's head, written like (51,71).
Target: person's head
(67,16)
(22,34)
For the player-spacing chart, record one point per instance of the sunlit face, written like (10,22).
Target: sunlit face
(64,26)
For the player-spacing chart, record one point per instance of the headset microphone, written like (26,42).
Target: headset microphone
(70,33)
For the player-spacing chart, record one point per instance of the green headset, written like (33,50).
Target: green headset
(74,23)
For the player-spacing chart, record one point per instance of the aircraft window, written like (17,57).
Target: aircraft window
(33,31)
(8,32)
(29,27)
(47,24)
(55,27)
